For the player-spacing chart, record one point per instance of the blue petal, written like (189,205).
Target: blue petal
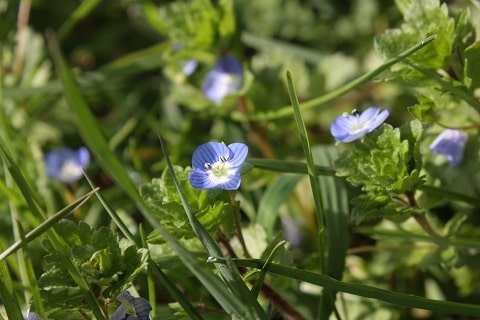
(125,296)
(341,127)
(208,153)
(199,179)
(120,313)
(377,119)
(142,308)
(229,64)
(56,160)
(450,143)
(240,152)
(83,157)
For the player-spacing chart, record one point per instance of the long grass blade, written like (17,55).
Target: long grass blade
(396,298)
(47,224)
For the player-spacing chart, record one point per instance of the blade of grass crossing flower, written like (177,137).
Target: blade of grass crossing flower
(336,210)
(317,194)
(231,276)
(95,141)
(275,195)
(9,299)
(396,298)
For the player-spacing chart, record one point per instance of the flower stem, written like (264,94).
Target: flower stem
(236,216)
(420,218)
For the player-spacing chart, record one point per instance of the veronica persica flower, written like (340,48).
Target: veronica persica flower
(217,166)
(451,144)
(351,127)
(225,79)
(140,306)
(67,165)
(189,66)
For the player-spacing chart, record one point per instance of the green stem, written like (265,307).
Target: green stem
(236,216)
(286,111)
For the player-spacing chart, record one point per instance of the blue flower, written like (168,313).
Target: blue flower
(451,144)
(216,165)
(139,305)
(225,79)
(188,66)
(350,127)
(67,165)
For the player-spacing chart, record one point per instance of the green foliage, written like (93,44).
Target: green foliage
(210,207)
(108,263)
(386,164)
(421,18)
(197,24)
(112,91)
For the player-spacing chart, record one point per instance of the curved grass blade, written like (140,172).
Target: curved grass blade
(400,299)
(287,111)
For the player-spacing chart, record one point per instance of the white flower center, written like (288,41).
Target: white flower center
(220,171)
(70,171)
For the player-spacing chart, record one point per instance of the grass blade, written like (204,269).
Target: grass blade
(400,299)
(47,224)
(7,294)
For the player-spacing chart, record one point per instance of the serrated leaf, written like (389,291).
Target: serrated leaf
(472,66)
(369,207)
(211,209)
(105,262)
(424,110)
(421,18)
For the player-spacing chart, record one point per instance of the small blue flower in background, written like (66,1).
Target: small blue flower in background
(188,66)
(217,166)
(67,165)
(225,79)
(450,143)
(140,306)
(351,127)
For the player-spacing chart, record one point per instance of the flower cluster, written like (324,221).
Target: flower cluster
(225,79)
(351,127)
(450,143)
(139,305)
(216,165)
(67,165)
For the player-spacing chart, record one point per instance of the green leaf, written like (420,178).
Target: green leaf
(421,18)
(424,110)
(162,197)
(381,161)
(103,260)
(275,195)
(472,66)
